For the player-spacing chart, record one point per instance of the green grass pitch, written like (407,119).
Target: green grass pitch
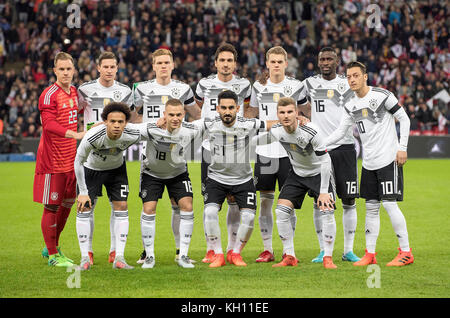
(25,274)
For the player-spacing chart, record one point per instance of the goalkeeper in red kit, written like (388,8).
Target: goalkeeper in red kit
(54,178)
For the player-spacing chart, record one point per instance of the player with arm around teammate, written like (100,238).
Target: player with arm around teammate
(150,98)
(311,170)
(100,161)
(164,166)
(328,92)
(374,111)
(206,95)
(93,97)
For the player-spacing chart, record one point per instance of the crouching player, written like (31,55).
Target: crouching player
(100,161)
(311,170)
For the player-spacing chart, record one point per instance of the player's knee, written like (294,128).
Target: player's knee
(211,212)
(120,205)
(283,213)
(248,217)
(231,199)
(372,207)
(185,204)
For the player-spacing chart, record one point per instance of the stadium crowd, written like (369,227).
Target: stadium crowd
(407,53)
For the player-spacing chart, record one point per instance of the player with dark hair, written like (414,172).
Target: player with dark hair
(206,94)
(54,179)
(99,161)
(374,111)
(94,96)
(327,93)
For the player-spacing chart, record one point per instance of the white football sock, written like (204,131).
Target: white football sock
(233,221)
(245,229)
(176,225)
(148,233)
(284,227)
(207,239)
(83,226)
(398,224)
(317,217)
(349,221)
(121,229)
(91,221)
(372,224)
(212,227)
(329,232)
(266,220)
(185,231)
(111,230)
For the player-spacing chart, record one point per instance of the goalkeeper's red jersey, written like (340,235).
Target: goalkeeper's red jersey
(59,111)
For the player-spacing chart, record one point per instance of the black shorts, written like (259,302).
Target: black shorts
(295,188)
(269,170)
(244,194)
(345,168)
(152,188)
(206,160)
(114,180)
(382,184)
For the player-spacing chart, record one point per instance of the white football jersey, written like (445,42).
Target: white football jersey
(208,88)
(98,152)
(164,156)
(373,116)
(153,97)
(327,100)
(230,148)
(266,97)
(302,147)
(96,97)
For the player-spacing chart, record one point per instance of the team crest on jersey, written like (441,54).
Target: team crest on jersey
(287,91)
(164,99)
(293,147)
(276,97)
(235,88)
(330,93)
(71,103)
(300,140)
(175,92)
(112,151)
(117,96)
(373,103)
(106,101)
(341,87)
(54,196)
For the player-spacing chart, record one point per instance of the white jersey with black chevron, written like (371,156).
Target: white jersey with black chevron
(164,156)
(93,96)
(327,99)
(153,97)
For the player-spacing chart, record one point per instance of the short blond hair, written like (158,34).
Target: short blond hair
(63,56)
(276,50)
(160,52)
(285,101)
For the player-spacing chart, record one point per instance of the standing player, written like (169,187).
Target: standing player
(272,162)
(165,166)
(54,179)
(93,97)
(230,173)
(206,94)
(374,111)
(99,161)
(311,169)
(327,93)
(150,98)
